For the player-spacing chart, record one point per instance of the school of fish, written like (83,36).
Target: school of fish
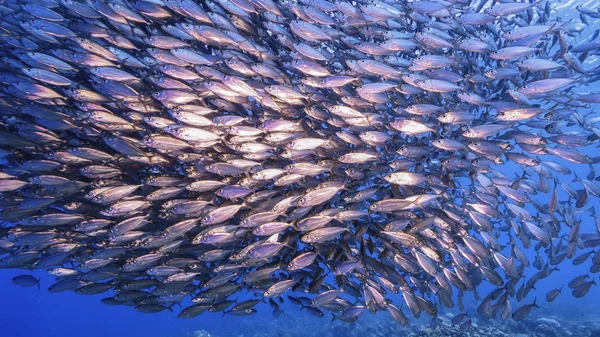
(342,156)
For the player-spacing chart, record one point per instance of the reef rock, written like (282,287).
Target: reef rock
(201,333)
(549,321)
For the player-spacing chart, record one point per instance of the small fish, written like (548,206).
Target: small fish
(522,312)
(26,281)
(582,289)
(552,294)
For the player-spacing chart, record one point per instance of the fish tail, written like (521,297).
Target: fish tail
(540,4)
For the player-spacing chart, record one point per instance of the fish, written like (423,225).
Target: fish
(522,312)
(552,294)
(325,154)
(26,281)
(582,289)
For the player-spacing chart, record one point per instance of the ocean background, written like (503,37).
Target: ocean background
(27,312)
(32,312)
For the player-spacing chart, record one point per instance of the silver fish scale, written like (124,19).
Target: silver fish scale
(281,143)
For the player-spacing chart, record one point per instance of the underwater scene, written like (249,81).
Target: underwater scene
(250,168)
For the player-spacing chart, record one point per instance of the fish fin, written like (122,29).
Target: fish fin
(333,317)
(535,302)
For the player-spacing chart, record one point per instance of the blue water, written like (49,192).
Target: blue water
(32,312)
(26,312)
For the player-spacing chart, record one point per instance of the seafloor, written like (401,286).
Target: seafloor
(563,323)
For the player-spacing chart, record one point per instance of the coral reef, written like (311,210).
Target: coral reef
(384,326)
(200,333)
